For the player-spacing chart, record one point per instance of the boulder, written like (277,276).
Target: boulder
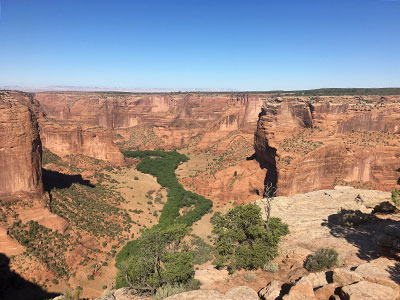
(237,293)
(344,276)
(199,295)
(317,279)
(303,289)
(242,293)
(367,290)
(271,291)
(325,292)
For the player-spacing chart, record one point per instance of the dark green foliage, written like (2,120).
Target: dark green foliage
(396,197)
(38,240)
(93,209)
(162,165)
(55,281)
(49,157)
(202,251)
(322,259)
(157,258)
(242,239)
(90,277)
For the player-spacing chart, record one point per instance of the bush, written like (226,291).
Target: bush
(396,197)
(136,178)
(173,289)
(55,281)
(90,277)
(157,258)
(72,295)
(271,266)
(104,287)
(322,259)
(250,277)
(169,290)
(242,239)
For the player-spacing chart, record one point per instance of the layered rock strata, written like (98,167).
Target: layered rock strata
(20,150)
(309,144)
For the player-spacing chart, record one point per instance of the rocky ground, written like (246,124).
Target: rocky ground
(366,269)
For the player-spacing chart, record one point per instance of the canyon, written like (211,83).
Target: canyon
(20,150)
(301,143)
(93,200)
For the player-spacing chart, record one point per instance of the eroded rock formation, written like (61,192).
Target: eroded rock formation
(309,144)
(20,150)
(221,125)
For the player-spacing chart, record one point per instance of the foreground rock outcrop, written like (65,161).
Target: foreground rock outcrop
(372,280)
(20,150)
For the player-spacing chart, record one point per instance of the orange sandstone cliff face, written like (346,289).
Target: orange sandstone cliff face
(221,126)
(20,150)
(159,120)
(69,138)
(309,144)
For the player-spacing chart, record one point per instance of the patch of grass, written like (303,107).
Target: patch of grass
(270,266)
(396,197)
(322,259)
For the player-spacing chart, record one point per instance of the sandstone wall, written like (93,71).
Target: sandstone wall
(20,150)
(308,146)
(65,139)
(175,120)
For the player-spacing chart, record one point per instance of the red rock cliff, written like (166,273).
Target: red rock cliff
(310,144)
(151,121)
(20,150)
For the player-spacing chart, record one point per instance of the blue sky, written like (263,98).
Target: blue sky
(246,45)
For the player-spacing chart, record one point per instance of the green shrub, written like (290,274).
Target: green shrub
(156,259)
(169,290)
(202,251)
(250,277)
(271,266)
(55,281)
(72,295)
(90,277)
(242,239)
(322,259)
(396,197)
(104,287)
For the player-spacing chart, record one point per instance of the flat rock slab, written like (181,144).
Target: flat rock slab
(237,293)
(364,290)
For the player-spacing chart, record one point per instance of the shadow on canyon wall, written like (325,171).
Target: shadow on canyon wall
(54,179)
(271,178)
(14,287)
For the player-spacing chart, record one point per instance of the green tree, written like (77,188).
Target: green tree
(159,257)
(244,241)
